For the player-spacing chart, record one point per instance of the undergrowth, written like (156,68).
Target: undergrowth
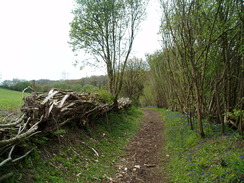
(216,158)
(79,155)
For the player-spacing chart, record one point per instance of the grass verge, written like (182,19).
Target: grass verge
(79,155)
(216,158)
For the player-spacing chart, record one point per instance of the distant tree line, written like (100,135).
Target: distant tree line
(43,85)
(15,84)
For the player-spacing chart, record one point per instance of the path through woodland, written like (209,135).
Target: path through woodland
(142,160)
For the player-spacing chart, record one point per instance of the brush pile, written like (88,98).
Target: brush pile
(44,113)
(58,108)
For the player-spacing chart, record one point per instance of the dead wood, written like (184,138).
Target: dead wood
(47,112)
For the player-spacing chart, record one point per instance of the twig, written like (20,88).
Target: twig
(16,159)
(24,126)
(7,117)
(19,158)
(19,137)
(27,89)
(9,156)
(96,153)
(12,124)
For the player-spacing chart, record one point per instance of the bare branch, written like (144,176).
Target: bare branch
(13,124)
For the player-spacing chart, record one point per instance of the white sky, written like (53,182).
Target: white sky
(34,36)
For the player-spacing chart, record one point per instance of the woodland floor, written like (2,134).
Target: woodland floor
(142,160)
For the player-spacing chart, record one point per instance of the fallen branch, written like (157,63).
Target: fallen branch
(19,137)
(96,153)
(9,159)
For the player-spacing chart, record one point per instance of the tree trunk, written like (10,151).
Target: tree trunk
(199,112)
(110,78)
(220,115)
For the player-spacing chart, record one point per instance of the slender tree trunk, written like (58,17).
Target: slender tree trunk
(220,115)
(110,77)
(199,112)
(191,121)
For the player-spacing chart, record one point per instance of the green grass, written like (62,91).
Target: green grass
(75,161)
(10,100)
(216,158)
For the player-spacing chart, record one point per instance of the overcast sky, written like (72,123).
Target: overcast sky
(34,36)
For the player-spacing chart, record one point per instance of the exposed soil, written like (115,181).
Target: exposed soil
(142,160)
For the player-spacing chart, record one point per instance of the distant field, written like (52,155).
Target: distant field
(10,100)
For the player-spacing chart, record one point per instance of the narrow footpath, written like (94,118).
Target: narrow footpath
(142,160)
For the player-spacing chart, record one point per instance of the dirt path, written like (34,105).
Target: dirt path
(141,163)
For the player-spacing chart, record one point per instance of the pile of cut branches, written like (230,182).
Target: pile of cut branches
(59,107)
(47,112)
